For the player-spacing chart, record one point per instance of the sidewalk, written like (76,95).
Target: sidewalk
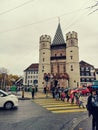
(85,124)
(27,95)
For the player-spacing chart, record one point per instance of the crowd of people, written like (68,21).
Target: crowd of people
(66,95)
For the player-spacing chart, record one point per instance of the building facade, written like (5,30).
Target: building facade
(31,75)
(87,73)
(59,59)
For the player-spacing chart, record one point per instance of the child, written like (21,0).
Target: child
(81,101)
(63,96)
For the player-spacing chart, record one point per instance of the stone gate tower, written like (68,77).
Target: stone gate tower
(72,59)
(44,59)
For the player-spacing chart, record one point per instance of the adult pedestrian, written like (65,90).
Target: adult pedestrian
(92,107)
(33,91)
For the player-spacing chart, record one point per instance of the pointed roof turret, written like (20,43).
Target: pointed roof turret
(58,38)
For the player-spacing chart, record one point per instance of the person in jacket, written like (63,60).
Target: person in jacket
(33,91)
(92,107)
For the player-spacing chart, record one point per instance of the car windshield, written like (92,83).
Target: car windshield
(3,92)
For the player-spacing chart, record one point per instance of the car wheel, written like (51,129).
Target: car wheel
(8,105)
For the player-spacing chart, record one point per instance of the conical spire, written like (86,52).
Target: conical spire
(58,38)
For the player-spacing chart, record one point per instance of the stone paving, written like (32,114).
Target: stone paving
(27,95)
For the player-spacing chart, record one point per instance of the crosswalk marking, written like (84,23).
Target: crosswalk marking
(58,106)
(69,111)
(61,108)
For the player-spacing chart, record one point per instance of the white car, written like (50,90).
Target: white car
(8,101)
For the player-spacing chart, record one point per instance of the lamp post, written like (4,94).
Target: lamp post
(3,71)
(46,77)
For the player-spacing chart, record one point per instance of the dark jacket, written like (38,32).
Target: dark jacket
(92,109)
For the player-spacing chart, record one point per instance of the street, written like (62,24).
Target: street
(32,116)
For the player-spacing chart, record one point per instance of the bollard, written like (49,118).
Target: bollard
(80,129)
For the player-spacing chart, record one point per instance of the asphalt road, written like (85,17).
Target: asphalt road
(31,116)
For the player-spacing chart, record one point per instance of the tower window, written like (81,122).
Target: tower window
(55,55)
(43,44)
(72,43)
(71,57)
(71,67)
(58,68)
(64,69)
(43,59)
(60,54)
(43,67)
(51,68)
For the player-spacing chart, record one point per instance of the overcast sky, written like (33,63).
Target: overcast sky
(22,22)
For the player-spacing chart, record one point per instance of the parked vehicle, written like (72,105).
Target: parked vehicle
(8,101)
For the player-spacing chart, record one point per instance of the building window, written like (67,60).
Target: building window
(42,70)
(51,68)
(71,67)
(71,57)
(64,69)
(72,43)
(87,80)
(82,80)
(91,68)
(31,81)
(60,54)
(82,68)
(87,68)
(43,44)
(87,74)
(28,77)
(92,74)
(92,79)
(55,55)
(58,68)
(82,74)
(43,59)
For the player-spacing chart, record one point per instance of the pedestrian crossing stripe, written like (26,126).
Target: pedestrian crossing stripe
(62,108)
(69,111)
(58,106)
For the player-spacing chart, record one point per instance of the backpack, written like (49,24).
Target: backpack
(94,101)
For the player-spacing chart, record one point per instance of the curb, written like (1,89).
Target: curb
(26,98)
(76,121)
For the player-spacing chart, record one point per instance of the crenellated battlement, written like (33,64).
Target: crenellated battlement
(45,38)
(72,34)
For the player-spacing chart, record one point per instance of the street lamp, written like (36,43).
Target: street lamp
(3,71)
